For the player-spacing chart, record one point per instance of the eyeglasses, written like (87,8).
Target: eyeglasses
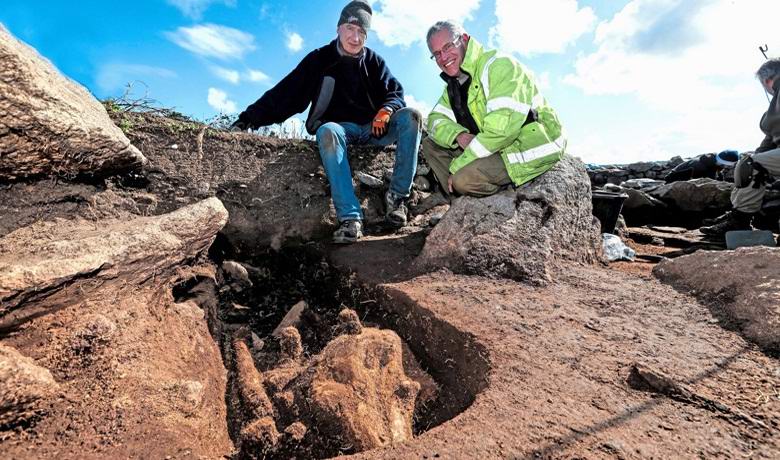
(446,48)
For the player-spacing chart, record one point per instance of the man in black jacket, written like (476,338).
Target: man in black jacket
(754,171)
(354,100)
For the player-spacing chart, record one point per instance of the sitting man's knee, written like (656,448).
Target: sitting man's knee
(408,115)
(327,137)
(471,182)
(463,183)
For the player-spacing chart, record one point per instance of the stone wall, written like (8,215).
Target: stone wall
(616,174)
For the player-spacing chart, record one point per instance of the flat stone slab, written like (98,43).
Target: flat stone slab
(744,238)
(42,258)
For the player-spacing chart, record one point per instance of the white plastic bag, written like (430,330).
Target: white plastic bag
(615,249)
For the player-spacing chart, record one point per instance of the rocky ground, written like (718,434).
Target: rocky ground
(172,294)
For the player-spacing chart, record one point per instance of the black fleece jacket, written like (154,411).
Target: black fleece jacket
(372,88)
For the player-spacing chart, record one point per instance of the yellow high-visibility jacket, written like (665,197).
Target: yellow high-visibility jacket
(501,96)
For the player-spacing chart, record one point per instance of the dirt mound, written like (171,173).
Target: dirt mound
(92,306)
(524,234)
(50,125)
(742,287)
(275,190)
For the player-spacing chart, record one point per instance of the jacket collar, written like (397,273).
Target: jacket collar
(469,65)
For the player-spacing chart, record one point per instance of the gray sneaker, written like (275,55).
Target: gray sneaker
(348,232)
(396,212)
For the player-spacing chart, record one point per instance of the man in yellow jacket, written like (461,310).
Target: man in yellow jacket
(491,127)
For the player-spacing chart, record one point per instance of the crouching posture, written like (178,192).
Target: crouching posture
(491,127)
(354,100)
(754,171)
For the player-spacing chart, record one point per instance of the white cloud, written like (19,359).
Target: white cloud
(422,106)
(692,62)
(257,76)
(115,75)
(228,75)
(678,135)
(294,42)
(531,27)
(543,81)
(292,128)
(403,22)
(194,8)
(219,101)
(213,40)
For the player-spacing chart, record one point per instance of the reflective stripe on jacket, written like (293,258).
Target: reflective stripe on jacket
(501,95)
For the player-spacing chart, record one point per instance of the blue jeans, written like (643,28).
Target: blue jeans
(332,138)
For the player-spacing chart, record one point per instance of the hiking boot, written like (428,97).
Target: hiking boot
(715,220)
(396,213)
(348,232)
(732,220)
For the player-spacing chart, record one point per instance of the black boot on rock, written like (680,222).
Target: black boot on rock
(732,220)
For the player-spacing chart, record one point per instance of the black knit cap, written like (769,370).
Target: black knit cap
(357,12)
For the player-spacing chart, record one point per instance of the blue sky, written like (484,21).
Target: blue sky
(631,79)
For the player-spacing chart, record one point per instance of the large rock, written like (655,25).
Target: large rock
(40,259)
(50,125)
(522,234)
(697,195)
(641,208)
(358,392)
(25,387)
(742,287)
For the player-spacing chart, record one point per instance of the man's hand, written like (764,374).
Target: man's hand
(382,118)
(464,139)
(239,126)
(449,185)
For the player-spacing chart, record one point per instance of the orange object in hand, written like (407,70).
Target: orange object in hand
(381,119)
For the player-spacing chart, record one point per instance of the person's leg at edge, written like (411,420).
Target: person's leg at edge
(749,199)
(746,201)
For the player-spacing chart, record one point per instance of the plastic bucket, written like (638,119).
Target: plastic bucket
(607,207)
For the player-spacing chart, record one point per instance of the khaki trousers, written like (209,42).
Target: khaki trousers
(481,177)
(749,199)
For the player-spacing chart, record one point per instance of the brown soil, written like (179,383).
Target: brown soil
(557,361)
(604,362)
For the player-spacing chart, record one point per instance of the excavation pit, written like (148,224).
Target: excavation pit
(445,367)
